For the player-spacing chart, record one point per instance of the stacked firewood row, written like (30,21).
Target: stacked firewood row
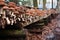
(11,14)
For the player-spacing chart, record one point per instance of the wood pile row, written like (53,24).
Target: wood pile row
(21,17)
(11,14)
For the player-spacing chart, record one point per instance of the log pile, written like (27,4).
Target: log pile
(22,17)
(12,14)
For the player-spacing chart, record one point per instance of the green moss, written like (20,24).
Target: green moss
(12,32)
